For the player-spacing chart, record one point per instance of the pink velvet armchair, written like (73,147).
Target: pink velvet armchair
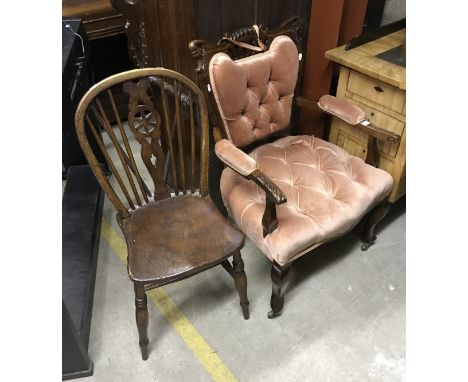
(288,194)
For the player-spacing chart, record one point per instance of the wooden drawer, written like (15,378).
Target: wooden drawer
(376,91)
(351,144)
(385,122)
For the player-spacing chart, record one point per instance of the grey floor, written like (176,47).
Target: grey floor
(344,317)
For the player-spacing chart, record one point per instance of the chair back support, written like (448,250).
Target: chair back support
(254,94)
(204,51)
(159,149)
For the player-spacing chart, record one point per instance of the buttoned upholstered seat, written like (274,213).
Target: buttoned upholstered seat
(328,191)
(287,194)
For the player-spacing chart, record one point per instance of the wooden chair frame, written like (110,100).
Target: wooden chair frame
(166,145)
(203,51)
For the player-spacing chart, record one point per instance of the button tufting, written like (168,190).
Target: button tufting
(321,201)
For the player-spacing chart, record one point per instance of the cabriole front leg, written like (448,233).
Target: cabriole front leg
(141,313)
(375,216)
(280,280)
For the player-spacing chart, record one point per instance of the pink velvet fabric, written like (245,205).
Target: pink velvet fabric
(235,158)
(328,192)
(254,94)
(342,109)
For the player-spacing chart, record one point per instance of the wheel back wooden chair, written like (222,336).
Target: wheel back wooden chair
(158,158)
(292,194)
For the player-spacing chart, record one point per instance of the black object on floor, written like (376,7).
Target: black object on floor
(75,360)
(75,82)
(81,224)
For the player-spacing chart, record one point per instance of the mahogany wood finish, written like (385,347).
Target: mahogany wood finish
(373,218)
(241,283)
(100,19)
(158,32)
(160,182)
(274,197)
(203,51)
(214,18)
(141,314)
(280,281)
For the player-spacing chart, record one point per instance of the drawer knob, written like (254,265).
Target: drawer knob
(378,89)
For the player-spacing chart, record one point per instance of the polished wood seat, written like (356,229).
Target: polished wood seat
(158,158)
(170,246)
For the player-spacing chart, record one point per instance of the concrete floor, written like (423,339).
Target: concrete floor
(344,317)
(343,320)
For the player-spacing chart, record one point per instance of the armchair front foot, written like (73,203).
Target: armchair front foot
(279,279)
(374,217)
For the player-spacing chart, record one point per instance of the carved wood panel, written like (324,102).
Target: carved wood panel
(159,31)
(145,123)
(215,18)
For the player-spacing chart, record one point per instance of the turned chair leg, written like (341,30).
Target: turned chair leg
(141,313)
(375,216)
(279,279)
(240,279)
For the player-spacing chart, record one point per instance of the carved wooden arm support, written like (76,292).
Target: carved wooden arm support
(274,196)
(246,166)
(354,116)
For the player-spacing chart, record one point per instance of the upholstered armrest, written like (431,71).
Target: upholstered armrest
(246,166)
(235,158)
(355,116)
(342,109)
(349,113)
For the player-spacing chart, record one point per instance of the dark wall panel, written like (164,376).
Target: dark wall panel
(214,18)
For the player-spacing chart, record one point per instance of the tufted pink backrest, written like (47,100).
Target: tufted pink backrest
(254,94)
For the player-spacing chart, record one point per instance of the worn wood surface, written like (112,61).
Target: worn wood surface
(385,107)
(141,315)
(363,59)
(379,88)
(172,228)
